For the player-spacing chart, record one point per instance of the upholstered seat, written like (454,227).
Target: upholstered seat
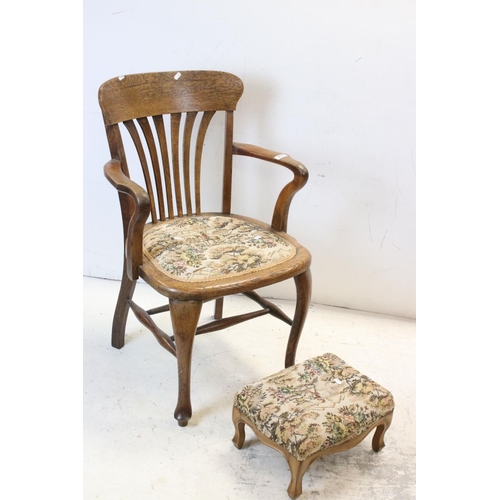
(210,247)
(317,407)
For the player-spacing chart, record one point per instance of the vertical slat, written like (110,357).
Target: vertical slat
(202,131)
(228,164)
(188,129)
(142,157)
(153,154)
(162,139)
(175,123)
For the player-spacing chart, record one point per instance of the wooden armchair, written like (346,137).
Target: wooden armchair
(187,255)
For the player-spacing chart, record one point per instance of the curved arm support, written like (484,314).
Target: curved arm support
(300,176)
(136,218)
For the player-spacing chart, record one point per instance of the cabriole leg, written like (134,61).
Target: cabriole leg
(184,316)
(378,438)
(239,429)
(297,470)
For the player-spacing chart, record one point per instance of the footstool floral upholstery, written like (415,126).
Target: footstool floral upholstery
(311,409)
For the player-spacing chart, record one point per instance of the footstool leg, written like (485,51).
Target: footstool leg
(297,470)
(239,429)
(378,438)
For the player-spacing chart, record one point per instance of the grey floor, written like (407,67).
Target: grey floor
(134,449)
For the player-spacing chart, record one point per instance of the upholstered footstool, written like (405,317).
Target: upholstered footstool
(311,409)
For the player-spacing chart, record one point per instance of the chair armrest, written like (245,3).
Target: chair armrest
(300,176)
(134,215)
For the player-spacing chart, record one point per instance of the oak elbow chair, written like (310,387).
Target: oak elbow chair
(187,255)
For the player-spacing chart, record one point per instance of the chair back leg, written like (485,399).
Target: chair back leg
(121,311)
(219,305)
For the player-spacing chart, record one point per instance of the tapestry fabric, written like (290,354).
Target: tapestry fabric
(206,248)
(314,405)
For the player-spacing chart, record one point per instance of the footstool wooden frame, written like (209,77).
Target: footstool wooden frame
(324,404)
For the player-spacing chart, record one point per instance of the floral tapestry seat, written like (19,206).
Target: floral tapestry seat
(308,410)
(213,247)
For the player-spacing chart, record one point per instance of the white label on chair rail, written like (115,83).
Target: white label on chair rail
(279,157)
(337,381)
(177,76)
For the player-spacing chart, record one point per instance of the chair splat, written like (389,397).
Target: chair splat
(202,132)
(153,154)
(172,178)
(162,139)
(130,126)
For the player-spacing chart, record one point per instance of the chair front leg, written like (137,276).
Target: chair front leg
(303,285)
(184,316)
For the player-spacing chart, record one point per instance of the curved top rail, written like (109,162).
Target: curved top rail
(149,94)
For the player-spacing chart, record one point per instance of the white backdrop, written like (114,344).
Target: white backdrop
(330,82)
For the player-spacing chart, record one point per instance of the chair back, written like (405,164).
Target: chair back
(167,115)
